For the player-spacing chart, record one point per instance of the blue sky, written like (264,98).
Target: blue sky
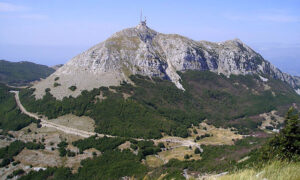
(53,31)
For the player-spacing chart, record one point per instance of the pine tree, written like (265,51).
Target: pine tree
(285,145)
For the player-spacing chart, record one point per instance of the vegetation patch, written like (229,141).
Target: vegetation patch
(155,106)
(72,88)
(7,153)
(220,158)
(56,84)
(274,170)
(11,117)
(110,165)
(22,73)
(101,144)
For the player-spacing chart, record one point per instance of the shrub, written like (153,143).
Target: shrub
(56,84)
(62,148)
(56,78)
(133,146)
(62,152)
(18,172)
(161,145)
(70,153)
(72,88)
(16,163)
(186,156)
(269,128)
(47,90)
(197,151)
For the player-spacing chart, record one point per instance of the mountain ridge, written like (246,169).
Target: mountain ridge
(22,73)
(141,50)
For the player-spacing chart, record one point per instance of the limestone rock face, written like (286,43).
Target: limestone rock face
(141,50)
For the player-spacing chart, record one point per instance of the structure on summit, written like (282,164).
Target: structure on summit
(142,22)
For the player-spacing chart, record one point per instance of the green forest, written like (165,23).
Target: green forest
(22,73)
(114,164)
(11,117)
(155,105)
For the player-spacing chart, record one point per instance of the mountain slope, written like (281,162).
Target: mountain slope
(22,73)
(141,50)
(154,106)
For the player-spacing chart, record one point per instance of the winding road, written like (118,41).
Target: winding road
(47,123)
(85,134)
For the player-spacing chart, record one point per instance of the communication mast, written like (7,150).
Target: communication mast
(142,22)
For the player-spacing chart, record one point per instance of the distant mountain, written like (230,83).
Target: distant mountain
(141,50)
(22,73)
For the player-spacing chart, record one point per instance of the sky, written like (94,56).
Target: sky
(51,32)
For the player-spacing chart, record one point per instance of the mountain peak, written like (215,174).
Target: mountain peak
(141,50)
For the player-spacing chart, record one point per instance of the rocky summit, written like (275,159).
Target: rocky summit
(141,50)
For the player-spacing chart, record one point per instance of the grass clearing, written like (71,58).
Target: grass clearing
(154,161)
(271,119)
(178,153)
(220,136)
(276,171)
(83,123)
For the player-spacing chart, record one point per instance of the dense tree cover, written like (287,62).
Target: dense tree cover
(233,101)
(8,152)
(110,165)
(111,143)
(155,105)
(146,148)
(11,117)
(101,144)
(34,146)
(22,73)
(285,145)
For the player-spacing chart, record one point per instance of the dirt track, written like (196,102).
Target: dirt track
(86,134)
(47,123)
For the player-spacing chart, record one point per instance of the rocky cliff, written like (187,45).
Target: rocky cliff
(141,50)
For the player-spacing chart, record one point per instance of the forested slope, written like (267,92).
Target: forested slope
(152,106)
(22,73)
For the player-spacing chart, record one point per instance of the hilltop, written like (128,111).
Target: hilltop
(143,51)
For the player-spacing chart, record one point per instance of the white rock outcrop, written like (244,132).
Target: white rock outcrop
(141,50)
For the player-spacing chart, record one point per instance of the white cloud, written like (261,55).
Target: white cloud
(19,12)
(8,7)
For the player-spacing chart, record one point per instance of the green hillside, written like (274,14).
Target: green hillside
(153,106)
(22,73)
(11,117)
